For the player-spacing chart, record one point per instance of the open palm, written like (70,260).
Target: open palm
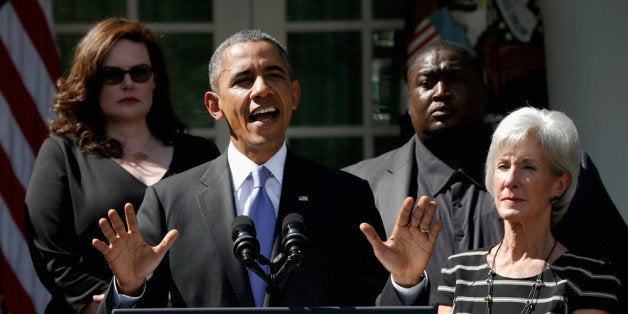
(130,258)
(407,251)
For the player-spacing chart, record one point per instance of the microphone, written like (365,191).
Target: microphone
(245,245)
(294,239)
(294,242)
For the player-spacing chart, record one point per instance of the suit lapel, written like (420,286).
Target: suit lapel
(295,195)
(216,205)
(295,190)
(395,184)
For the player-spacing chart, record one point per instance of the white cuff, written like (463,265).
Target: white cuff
(407,296)
(123,301)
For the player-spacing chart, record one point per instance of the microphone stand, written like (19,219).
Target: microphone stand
(288,262)
(246,249)
(253,264)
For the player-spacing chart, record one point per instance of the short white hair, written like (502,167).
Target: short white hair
(559,140)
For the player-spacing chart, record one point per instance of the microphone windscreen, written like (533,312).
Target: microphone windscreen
(242,223)
(294,219)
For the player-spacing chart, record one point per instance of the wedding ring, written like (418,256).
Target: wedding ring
(424,230)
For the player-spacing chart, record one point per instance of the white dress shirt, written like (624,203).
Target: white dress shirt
(241,168)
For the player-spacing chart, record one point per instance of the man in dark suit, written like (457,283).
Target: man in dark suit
(253,89)
(445,160)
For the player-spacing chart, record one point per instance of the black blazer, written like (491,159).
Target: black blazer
(200,270)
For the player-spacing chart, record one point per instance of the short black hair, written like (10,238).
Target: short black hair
(243,36)
(468,56)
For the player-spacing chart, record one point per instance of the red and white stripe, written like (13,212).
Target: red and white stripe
(29,66)
(424,33)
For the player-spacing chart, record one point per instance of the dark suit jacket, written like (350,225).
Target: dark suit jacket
(592,225)
(389,176)
(200,270)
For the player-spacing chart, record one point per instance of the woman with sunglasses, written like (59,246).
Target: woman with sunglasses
(115,134)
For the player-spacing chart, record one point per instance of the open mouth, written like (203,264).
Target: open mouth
(264,115)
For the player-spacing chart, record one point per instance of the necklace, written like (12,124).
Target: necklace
(534,292)
(142,154)
(139,156)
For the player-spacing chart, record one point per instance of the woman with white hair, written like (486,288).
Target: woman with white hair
(532,170)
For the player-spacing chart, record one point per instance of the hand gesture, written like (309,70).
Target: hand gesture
(408,250)
(130,258)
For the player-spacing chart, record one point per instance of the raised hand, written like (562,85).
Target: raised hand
(130,258)
(408,250)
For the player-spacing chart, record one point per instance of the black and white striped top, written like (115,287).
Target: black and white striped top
(572,282)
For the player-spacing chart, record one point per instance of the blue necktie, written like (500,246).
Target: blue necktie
(262,213)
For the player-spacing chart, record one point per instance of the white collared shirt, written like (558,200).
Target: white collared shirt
(241,168)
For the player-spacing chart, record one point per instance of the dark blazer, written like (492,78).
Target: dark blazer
(200,270)
(389,176)
(592,226)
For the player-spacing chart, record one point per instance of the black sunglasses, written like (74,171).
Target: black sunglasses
(115,75)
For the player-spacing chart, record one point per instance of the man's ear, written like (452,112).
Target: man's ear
(212,103)
(296,93)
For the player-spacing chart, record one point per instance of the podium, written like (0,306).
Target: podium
(281,310)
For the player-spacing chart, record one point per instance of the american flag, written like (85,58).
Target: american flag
(29,66)
(423,34)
